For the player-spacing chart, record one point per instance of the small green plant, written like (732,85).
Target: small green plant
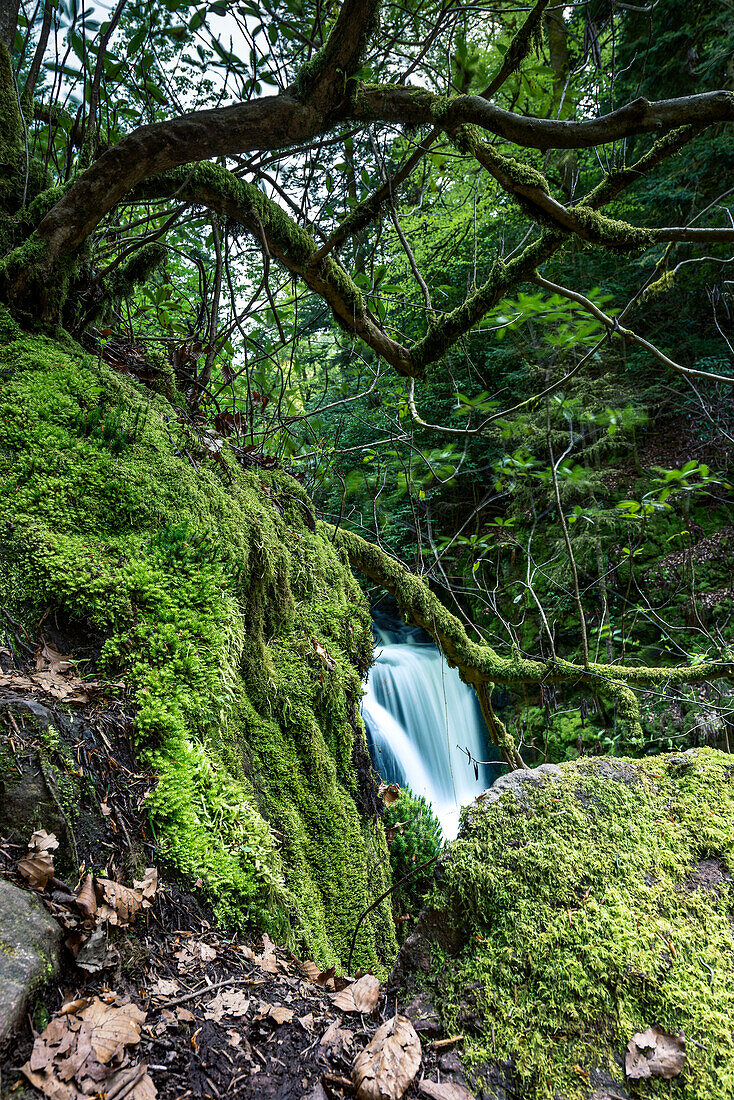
(414,836)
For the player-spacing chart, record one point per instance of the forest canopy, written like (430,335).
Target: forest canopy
(462,269)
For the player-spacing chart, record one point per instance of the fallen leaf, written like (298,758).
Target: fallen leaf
(314,973)
(361,996)
(147,885)
(164,987)
(235,1038)
(38,866)
(268,961)
(444,1091)
(113,1026)
(653,1053)
(74,1006)
(184,1015)
(37,870)
(97,953)
(194,951)
(79,1052)
(86,899)
(322,654)
(48,659)
(307,1021)
(389,793)
(389,1062)
(336,1040)
(231,1002)
(279,1013)
(41,841)
(121,903)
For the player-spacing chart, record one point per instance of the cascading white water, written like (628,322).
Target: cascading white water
(419,716)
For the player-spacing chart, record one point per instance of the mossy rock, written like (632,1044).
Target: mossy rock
(580,905)
(209,601)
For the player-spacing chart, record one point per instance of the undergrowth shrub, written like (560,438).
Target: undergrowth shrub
(414,836)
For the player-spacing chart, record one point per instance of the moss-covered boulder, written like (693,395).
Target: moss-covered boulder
(210,600)
(581,905)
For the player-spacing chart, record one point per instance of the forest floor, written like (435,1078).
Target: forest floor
(190,1013)
(151,998)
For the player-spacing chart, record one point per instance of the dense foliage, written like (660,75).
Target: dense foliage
(414,837)
(441,274)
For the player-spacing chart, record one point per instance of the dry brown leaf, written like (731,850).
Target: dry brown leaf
(147,886)
(322,654)
(96,954)
(444,1091)
(37,869)
(48,659)
(389,793)
(121,903)
(113,1026)
(184,1015)
(389,1062)
(278,1013)
(38,866)
(132,1084)
(653,1053)
(307,1021)
(195,951)
(336,1040)
(164,987)
(231,1002)
(74,1006)
(78,1054)
(314,973)
(41,841)
(268,961)
(86,899)
(361,996)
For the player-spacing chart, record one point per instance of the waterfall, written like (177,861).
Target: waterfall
(419,715)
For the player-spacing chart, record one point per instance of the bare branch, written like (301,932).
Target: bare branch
(615,329)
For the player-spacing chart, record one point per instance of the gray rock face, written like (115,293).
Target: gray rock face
(29,953)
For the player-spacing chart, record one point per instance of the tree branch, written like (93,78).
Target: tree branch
(480,665)
(214,187)
(416,107)
(615,329)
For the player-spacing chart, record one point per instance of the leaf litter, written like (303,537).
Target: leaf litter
(193,1019)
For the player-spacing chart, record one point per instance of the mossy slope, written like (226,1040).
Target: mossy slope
(586,918)
(210,598)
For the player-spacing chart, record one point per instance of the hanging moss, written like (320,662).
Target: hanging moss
(588,907)
(211,599)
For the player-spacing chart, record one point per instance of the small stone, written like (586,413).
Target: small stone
(29,948)
(423,1015)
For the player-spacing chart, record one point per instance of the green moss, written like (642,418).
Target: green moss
(582,925)
(11,123)
(210,602)
(616,235)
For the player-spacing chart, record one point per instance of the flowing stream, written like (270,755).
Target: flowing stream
(419,715)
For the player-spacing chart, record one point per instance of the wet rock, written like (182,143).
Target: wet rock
(27,800)
(29,948)
(518,782)
(433,927)
(709,874)
(603,870)
(423,1015)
